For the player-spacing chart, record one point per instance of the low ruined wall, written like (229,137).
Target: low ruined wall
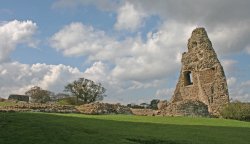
(103,108)
(2,99)
(186,108)
(93,108)
(144,112)
(36,107)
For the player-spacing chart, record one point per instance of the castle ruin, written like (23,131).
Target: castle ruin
(202,77)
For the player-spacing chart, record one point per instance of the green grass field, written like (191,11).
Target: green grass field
(7,103)
(43,128)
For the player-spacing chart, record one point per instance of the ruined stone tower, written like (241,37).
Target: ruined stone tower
(202,77)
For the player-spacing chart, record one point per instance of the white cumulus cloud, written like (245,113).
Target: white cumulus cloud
(17,77)
(129,17)
(132,58)
(165,93)
(157,57)
(13,33)
(231,38)
(240,90)
(231,81)
(77,39)
(128,65)
(225,20)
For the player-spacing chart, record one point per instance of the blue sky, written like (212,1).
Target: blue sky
(133,47)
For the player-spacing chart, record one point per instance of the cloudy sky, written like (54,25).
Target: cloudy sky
(133,47)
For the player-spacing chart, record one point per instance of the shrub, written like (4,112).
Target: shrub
(236,110)
(154,103)
(135,106)
(69,101)
(38,95)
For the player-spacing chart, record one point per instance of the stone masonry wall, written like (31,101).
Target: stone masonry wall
(202,77)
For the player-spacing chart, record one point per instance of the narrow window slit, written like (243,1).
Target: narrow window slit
(188,78)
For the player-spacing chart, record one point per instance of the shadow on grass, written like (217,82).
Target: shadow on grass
(155,141)
(3,120)
(42,128)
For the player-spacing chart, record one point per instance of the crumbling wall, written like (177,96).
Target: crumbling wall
(103,108)
(202,77)
(186,108)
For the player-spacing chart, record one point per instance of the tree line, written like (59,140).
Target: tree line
(83,90)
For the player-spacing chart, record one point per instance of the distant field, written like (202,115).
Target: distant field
(42,128)
(7,103)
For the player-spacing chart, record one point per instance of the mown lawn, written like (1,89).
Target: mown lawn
(43,128)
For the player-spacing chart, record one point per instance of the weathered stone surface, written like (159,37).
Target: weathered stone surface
(145,112)
(103,108)
(2,99)
(19,97)
(162,104)
(202,77)
(38,107)
(186,108)
(93,108)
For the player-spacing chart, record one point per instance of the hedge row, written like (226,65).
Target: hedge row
(237,110)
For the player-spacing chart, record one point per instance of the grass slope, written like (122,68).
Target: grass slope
(42,128)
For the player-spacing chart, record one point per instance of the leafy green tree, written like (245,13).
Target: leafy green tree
(38,95)
(144,105)
(153,104)
(86,90)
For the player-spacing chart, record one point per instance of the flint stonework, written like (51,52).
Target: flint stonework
(202,76)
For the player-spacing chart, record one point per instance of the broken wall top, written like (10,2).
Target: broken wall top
(201,54)
(202,77)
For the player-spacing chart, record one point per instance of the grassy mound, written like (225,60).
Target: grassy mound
(42,128)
